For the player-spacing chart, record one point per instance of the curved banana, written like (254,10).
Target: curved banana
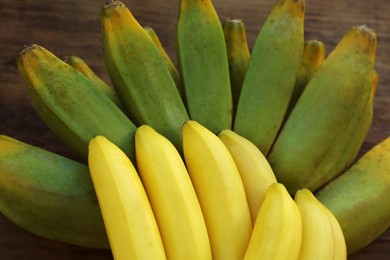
(128,217)
(238,54)
(49,195)
(317,228)
(317,131)
(220,191)
(203,65)
(340,246)
(278,228)
(139,74)
(80,65)
(255,171)
(360,197)
(270,77)
(172,196)
(70,104)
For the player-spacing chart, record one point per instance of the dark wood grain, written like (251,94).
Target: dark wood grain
(69,27)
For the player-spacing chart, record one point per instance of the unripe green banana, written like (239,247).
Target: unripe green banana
(171,66)
(360,197)
(317,131)
(238,54)
(70,104)
(139,74)
(49,195)
(80,65)
(203,65)
(271,74)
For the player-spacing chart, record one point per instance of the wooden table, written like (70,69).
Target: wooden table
(69,27)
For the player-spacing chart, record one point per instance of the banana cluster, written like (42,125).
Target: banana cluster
(237,153)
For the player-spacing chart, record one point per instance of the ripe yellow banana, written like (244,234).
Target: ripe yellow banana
(271,73)
(340,246)
(139,74)
(49,195)
(255,171)
(360,197)
(318,129)
(238,54)
(203,65)
(80,65)
(317,228)
(220,191)
(278,228)
(128,217)
(70,104)
(172,196)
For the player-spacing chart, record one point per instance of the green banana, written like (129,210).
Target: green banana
(49,195)
(238,54)
(360,197)
(318,129)
(203,65)
(70,104)
(80,65)
(271,73)
(171,66)
(139,74)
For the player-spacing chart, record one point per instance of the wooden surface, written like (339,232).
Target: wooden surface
(69,27)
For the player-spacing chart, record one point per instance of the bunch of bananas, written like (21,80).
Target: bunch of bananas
(237,154)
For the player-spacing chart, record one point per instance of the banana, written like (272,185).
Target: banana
(139,74)
(271,73)
(220,191)
(49,195)
(340,246)
(255,171)
(171,66)
(278,228)
(203,65)
(317,229)
(172,196)
(80,65)
(128,217)
(238,54)
(360,197)
(318,130)
(70,104)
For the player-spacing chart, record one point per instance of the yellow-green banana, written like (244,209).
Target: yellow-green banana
(49,195)
(220,191)
(172,196)
(70,104)
(238,54)
(203,65)
(278,228)
(318,130)
(80,65)
(139,74)
(317,228)
(171,66)
(271,74)
(255,171)
(128,217)
(360,197)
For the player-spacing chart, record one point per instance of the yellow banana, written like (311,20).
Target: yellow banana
(220,191)
(255,171)
(172,196)
(139,74)
(70,104)
(271,73)
(49,195)
(238,54)
(203,65)
(317,228)
(128,217)
(278,228)
(360,197)
(340,246)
